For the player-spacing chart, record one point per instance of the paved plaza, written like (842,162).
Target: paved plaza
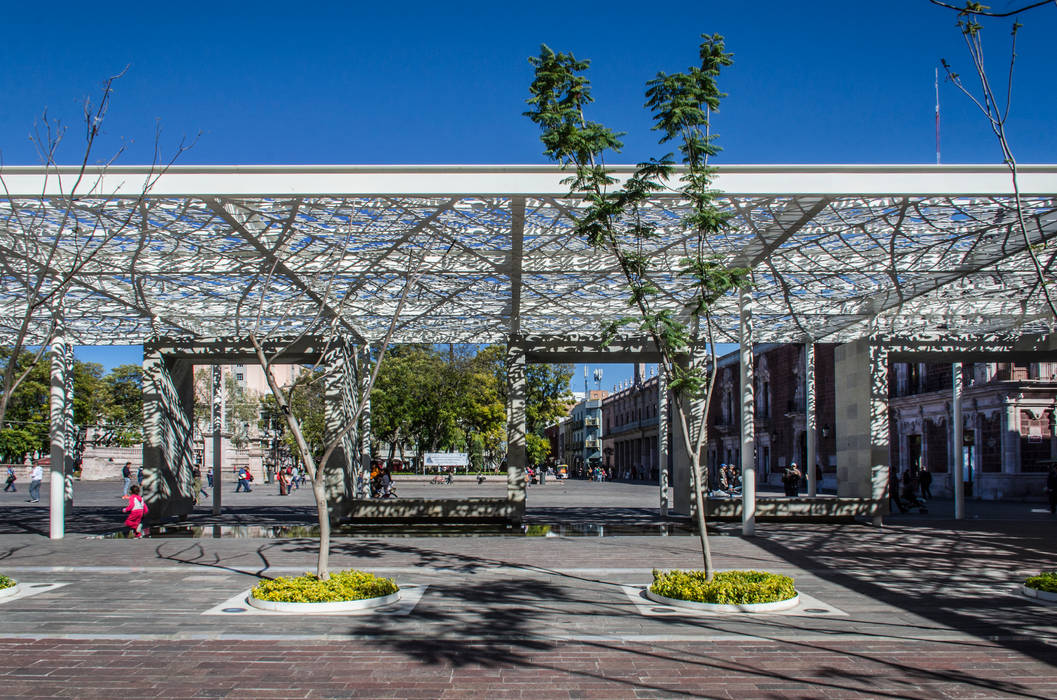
(923,607)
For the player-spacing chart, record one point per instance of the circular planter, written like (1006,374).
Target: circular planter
(1044,596)
(724,607)
(10,591)
(337,606)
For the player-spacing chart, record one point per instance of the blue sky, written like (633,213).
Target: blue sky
(410,82)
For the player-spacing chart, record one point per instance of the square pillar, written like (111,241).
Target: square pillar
(810,419)
(861,384)
(516,428)
(340,402)
(662,442)
(748,420)
(62,437)
(168,450)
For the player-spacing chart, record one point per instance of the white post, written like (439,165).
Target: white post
(748,471)
(60,370)
(662,441)
(956,422)
(218,424)
(810,419)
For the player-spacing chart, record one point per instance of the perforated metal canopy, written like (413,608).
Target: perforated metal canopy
(837,252)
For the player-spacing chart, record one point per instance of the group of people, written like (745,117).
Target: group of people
(904,491)
(382,481)
(728,479)
(36,476)
(289,478)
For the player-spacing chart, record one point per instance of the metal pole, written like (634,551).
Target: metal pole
(956,420)
(218,424)
(748,405)
(662,441)
(810,418)
(58,399)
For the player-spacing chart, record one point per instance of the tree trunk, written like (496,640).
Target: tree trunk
(319,490)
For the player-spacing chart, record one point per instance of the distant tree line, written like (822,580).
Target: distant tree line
(111,403)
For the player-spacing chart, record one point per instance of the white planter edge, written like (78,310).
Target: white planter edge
(338,606)
(1044,596)
(725,608)
(10,591)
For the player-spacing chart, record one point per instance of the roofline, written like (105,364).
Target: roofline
(871,180)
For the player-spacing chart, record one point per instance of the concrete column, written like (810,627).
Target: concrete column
(748,420)
(168,449)
(217,420)
(61,413)
(861,384)
(340,396)
(1011,437)
(810,419)
(956,440)
(662,440)
(363,477)
(516,428)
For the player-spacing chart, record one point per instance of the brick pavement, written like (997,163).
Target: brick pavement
(931,612)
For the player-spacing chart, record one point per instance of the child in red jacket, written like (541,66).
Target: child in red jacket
(136,509)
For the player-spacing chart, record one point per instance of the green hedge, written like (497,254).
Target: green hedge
(6,582)
(341,586)
(726,587)
(1046,581)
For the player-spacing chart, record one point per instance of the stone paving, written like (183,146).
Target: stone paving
(923,607)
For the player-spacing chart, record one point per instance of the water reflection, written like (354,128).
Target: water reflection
(560,529)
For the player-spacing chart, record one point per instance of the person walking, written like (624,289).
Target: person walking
(925,481)
(209,476)
(1051,488)
(792,480)
(9,485)
(139,476)
(36,475)
(196,475)
(136,509)
(282,478)
(126,474)
(244,481)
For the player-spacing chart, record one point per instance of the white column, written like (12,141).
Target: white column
(662,440)
(1011,437)
(956,441)
(516,428)
(61,369)
(748,472)
(218,426)
(810,420)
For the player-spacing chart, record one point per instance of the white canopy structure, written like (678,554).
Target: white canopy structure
(190,260)
(837,252)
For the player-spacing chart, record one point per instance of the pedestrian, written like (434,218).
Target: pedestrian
(387,482)
(209,476)
(294,473)
(136,509)
(282,479)
(1051,488)
(139,476)
(126,474)
(36,475)
(9,485)
(893,489)
(925,479)
(792,480)
(196,475)
(244,478)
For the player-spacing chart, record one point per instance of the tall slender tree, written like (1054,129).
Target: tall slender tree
(613,221)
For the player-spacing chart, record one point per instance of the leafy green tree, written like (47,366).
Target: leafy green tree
(682,105)
(123,404)
(547,397)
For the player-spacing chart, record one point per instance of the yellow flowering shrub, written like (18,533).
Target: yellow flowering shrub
(341,586)
(1046,581)
(726,587)
(6,582)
